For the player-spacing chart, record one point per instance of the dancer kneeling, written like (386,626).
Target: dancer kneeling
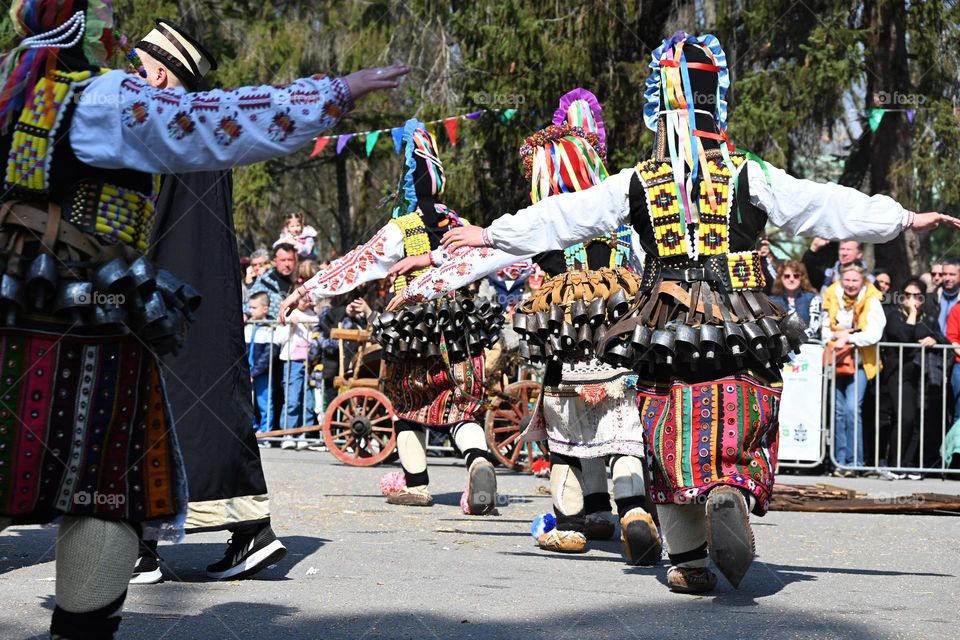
(587,411)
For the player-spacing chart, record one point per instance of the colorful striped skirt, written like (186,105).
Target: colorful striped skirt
(436,394)
(84,429)
(719,432)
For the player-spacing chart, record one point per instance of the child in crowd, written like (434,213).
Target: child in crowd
(300,236)
(259,353)
(295,340)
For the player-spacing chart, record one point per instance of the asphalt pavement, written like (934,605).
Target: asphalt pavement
(360,568)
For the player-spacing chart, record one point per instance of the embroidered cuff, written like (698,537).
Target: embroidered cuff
(485,237)
(341,92)
(909,217)
(437,257)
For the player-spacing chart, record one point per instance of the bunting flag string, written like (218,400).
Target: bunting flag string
(321,144)
(450,124)
(372,140)
(875,116)
(342,142)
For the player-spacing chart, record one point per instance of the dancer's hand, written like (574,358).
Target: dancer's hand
(931,220)
(465,236)
(288,305)
(395,303)
(369,80)
(410,263)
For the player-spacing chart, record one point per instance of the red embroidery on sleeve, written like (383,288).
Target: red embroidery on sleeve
(345,271)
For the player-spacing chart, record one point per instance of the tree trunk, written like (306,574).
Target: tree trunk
(343,206)
(888,86)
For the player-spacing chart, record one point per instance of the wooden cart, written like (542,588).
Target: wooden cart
(357,426)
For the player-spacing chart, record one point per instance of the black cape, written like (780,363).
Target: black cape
(208,382)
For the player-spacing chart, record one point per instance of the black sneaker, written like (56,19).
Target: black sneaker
(147,570)
(247,554)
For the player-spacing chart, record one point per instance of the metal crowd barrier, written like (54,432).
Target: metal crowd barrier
(302,427)
(899,441)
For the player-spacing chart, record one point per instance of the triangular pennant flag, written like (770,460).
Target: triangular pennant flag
(508,114)
(475,115)
(342,142)
(397,134)
(431,129)
(372,138)
(874,116)
(451,124)
(910,114)
(319,146)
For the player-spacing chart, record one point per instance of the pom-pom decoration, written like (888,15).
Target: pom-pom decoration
(392,482)
(541,468)
(542,524)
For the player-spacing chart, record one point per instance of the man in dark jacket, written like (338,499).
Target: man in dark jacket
(278,282)
(208,382)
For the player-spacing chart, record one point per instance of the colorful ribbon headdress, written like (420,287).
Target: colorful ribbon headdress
(672,102)
(568,155)
(418,143)
(48,27)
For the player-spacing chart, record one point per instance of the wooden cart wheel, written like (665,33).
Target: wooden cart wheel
(358,428)
(506,420)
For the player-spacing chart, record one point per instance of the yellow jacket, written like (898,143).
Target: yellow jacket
(870,325)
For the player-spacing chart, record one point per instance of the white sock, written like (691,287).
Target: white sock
(412,449)
(684,528)
(567,489)
(594,474)
(627,477)
(470,435)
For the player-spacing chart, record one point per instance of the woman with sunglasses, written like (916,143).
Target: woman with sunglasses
(908,323)
(793,291)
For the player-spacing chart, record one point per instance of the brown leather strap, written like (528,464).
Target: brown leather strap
(708,308)
(739,307)
(646,313)
(13,264)
(35,220)
(53,224)
(754,304)
(692,307)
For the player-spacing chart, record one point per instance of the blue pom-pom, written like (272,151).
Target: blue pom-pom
(542,524)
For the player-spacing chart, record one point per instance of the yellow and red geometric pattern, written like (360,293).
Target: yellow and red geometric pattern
(415,243)
(745,270)
(712,235)
(31,149)
(663,203)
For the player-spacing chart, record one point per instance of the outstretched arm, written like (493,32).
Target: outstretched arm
(832,211)
(121,122)
(366,263)
(457,268)
(555,222)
